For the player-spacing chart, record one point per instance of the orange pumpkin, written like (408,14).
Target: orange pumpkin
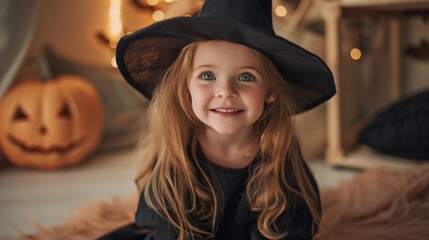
(50,124)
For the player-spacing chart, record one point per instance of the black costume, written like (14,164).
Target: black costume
(236,223)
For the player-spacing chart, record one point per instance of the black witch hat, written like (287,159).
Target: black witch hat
(144,56)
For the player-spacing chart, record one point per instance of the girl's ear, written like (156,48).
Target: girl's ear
(269,99)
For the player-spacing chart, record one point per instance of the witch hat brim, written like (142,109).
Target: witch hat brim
(143,57)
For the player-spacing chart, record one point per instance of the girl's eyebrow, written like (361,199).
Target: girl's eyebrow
(214,66)
(251,67)
(205,66)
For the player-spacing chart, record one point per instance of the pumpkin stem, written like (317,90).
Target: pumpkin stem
(46,71)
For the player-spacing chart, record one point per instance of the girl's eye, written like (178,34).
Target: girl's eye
(207,76)
(246,77)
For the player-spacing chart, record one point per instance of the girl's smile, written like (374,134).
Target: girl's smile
(227,111)
(226,87)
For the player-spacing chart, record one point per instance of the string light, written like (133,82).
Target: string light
(158,15)
(281,11)
(115,22)
(116,29)
(113,62)
(355,53)
(115,18)
(152,2)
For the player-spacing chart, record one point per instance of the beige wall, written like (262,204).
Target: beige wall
(70,27)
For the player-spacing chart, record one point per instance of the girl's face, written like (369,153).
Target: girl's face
(226,87)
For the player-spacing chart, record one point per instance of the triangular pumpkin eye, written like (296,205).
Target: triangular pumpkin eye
(65,112)
(19,114)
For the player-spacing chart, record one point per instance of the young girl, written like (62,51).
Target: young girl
(220,159)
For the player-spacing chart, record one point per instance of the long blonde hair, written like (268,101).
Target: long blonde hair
(176,186)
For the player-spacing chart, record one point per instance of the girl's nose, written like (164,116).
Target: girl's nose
(42,130)
(226,89)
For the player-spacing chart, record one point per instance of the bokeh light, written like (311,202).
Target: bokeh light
(355,53)
(152,2)
(281,11)
(158,15)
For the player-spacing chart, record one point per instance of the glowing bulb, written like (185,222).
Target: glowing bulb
(158,15)
(152,2)
(168,1)
(355,53)
(113,62)
(281,11)
(115,18)
(113,42)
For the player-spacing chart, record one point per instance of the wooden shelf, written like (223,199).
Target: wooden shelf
(402,6)
(333,13)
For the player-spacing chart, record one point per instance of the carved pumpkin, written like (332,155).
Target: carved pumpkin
(50,124)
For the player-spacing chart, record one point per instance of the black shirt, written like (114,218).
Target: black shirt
(236,222)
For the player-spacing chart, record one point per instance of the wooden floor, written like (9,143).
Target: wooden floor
(48,197)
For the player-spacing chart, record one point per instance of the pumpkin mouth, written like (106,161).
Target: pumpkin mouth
(53,149)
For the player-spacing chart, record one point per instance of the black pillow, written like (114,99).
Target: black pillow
(402,129)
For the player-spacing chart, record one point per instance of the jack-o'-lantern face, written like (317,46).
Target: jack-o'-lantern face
(52,124)
(23,117)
